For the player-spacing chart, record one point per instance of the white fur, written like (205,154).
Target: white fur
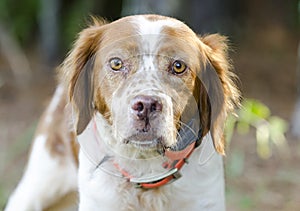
(54,103)
(150,32)
(147,27)
(46,179)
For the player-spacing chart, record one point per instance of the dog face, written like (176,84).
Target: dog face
(148,76)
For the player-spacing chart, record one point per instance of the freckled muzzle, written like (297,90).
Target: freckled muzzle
(145,119)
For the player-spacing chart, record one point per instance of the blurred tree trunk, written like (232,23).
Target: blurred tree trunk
(15,57)
(163,7)
(204,16)
(101,7)
(49,29)
(296,114)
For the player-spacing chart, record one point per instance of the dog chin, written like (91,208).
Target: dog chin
(154,143)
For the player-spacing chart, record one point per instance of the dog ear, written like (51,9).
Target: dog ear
(76,72)
(218,92)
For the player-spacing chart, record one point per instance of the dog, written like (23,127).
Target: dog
(136,122)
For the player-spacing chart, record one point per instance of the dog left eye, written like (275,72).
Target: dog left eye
(178,67)
(116,64)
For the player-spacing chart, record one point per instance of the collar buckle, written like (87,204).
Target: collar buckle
(159,181)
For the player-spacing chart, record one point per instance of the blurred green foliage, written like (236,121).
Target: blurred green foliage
(270,130)
(73,20)
(20,17)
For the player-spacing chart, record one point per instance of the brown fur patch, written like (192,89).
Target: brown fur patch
(61,141)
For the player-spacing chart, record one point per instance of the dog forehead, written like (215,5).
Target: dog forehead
(142,25)
(151,28)
(147,34)
(147,25)
(142,32)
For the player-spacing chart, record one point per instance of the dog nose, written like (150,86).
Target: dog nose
(143,106)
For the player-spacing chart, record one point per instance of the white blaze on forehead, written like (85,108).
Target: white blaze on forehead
(147,26)
(150,32)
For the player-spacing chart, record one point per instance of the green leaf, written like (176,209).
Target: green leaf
(260,109)
(262,138)
(253,111)
(278,126)
(243,127)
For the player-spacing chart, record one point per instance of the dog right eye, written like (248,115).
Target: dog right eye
(178,67)
(116,64)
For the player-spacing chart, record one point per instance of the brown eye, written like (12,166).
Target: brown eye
(116,64)
(178,67)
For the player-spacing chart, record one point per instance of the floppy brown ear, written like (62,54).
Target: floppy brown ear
(76,72)
(221,95)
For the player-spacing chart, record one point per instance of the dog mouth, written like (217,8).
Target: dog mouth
(145,142)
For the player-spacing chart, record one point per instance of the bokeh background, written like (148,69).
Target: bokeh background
(35,36)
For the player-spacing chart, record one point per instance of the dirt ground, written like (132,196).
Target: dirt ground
(266,67)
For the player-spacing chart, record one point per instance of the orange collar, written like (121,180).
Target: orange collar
(177,158)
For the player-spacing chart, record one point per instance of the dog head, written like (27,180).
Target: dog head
(148,76)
